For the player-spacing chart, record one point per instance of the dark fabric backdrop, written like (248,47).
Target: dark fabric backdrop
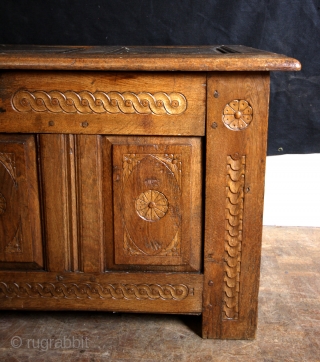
(291,27)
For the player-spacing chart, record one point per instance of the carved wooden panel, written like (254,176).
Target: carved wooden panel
(98,102)
(235,158)
(89,203)
(57,167)
(20,231)
(116,291)
(153,204)
(89,290)
(103,103)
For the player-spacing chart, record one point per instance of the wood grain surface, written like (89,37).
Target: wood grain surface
(133,58)
(127,292)
(20,229)
(234,185)
(190,236)
(103,103)
(156,202)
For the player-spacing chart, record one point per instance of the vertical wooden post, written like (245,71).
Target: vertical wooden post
(90,214)
(237,117)
(57,176)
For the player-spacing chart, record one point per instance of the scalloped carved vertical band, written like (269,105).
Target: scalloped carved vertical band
(233,235)
(99,102)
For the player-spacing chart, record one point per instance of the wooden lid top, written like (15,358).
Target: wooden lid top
(144,58)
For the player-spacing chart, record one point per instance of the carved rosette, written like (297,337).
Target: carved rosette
(152,205)
(233,235)
(94,291)
(99,102)
(237,115)
(3,204)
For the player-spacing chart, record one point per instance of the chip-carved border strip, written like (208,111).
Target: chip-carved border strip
(59,290)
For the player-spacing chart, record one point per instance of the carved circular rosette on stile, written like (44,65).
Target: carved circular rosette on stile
(3,204)
(152,205)
(237,115)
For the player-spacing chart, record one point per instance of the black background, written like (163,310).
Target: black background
(290,27)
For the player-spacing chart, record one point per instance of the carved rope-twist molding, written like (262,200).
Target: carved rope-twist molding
(99,102)
(93,291)
(233,235)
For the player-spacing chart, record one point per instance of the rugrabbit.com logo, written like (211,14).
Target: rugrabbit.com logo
(44,344)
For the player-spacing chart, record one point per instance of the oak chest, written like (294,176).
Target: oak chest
(132,178)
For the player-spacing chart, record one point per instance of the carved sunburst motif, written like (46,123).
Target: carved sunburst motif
(152,205)
(3,204)
(237,115)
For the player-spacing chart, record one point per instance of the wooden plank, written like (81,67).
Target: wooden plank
(20,227)
(89,187)
(144,58)
(55,150)
(236,151)
(103,103)
(121,292)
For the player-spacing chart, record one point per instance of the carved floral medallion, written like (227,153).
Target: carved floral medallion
(152,205)
(237,115)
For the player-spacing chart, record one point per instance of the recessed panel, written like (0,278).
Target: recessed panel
(20,235)
(153,204)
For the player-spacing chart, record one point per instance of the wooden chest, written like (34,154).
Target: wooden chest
(132,178)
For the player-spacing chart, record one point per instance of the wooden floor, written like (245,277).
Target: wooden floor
(288,329)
